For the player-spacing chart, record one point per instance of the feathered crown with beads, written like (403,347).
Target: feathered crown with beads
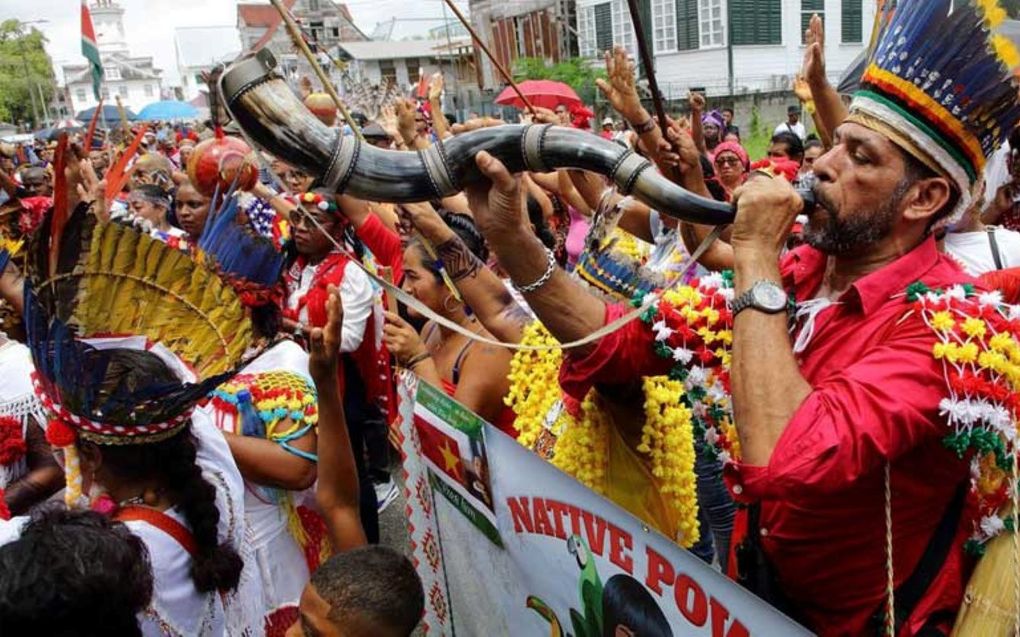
(244,249)
(102,301)
(940,85)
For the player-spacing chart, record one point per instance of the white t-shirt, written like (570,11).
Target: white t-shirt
(797,129)
(973,250)
(356,296)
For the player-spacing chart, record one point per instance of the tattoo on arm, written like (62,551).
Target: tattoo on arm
(459,262)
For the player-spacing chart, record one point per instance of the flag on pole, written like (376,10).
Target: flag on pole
(89,48)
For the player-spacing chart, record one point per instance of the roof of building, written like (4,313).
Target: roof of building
(259,15)
(206,46)
(390,50)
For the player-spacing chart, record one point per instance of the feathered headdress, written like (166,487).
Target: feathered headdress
(940,86)
(239,248)
(126,333)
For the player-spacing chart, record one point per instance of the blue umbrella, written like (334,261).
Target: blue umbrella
(110,116)
(168,109)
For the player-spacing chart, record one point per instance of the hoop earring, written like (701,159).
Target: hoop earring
(446,305)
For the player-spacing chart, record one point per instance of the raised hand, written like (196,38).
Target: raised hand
(324,343)
(697,102)
(496,205)
(619,89)
(388,121)
(813,69)
(435,87)
(405,110)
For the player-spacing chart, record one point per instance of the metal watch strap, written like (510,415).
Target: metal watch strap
(746,299)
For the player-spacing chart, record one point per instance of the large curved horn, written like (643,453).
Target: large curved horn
(269,112)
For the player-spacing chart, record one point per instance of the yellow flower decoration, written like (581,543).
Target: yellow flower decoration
(974,327)
(942,321)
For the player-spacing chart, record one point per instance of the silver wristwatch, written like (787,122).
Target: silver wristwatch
(767,296)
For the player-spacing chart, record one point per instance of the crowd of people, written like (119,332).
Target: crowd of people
(819,399)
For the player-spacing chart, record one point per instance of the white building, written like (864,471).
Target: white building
(373,66)
(198,50)
(134,79)
(690,39)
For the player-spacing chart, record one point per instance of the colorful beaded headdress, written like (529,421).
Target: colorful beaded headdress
(103,300)
(939,84)
(245,251)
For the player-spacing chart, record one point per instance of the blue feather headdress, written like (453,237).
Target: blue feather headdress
(940,85)
(238,241)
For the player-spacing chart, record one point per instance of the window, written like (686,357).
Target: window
(80,95)
(112,73)
(664,25)
(603,27)
(710,18)
(122,90)
(586,32)
(687,24)
(807,9)
(853,20)
(105,93)
(756,21)
(148,90)
(623,28)
(313,5)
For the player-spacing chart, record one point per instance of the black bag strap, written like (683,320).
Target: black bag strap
(934,557)
(995,246)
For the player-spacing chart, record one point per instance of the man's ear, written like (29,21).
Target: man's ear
(927,197)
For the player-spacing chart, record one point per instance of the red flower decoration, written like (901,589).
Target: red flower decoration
(5,513)
(12,443)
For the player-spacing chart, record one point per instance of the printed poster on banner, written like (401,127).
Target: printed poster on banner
(507,544)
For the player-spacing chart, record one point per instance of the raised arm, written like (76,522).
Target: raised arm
(566,309)
(337,490)
(483,291)
(829,108)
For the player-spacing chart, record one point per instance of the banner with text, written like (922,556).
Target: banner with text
(505,543)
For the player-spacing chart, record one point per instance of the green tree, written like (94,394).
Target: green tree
(24,67)
(576,73)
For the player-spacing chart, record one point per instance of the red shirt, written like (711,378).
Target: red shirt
(876,390)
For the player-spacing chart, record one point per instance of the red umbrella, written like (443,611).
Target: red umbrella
(545,93)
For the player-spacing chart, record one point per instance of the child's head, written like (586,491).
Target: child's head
(368,591)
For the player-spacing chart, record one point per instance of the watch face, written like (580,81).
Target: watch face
(769,297)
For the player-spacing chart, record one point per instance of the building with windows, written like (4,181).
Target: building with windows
(727,46)
(522,28)
(325,24)
(198,50)
(134,79)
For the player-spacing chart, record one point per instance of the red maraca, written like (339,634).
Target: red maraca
(219,162)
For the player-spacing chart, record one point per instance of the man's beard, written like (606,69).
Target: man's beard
(852,234)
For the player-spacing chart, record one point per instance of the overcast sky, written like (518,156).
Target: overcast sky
(150,24)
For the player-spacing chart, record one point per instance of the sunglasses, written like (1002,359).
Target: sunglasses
(727,161)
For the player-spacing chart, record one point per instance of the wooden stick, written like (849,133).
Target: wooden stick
(499,67)
(299,42)
(646,61)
